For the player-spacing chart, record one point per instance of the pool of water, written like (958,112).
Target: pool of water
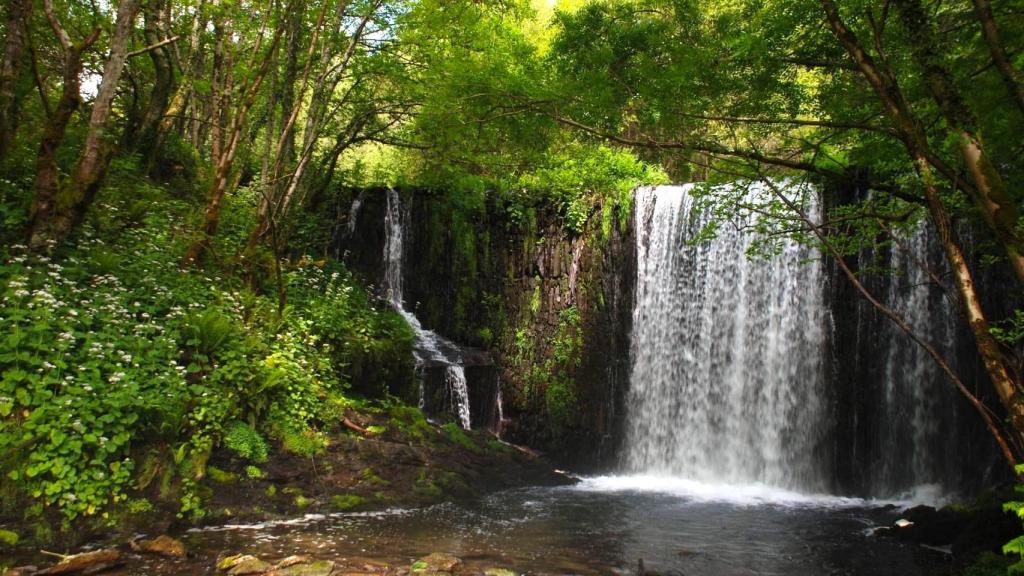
(603,525)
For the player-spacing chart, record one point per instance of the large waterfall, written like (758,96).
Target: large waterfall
(774,371)
(727,352)
(430,348)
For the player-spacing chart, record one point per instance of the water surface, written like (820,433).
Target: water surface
(603,525)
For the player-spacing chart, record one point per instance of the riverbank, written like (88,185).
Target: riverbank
(593,527)
(389,457)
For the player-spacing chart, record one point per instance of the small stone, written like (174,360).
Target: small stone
(162,545)
(499,572)
(436,562)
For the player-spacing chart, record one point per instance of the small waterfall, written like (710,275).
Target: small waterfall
(457,392)
(499,423)
(344,234)
(727,355)
(915,396)
(430,348)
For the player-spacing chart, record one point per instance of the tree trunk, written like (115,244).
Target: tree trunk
(95,154)
(1011,77)
(48,199)
(163,83)
(18,14)
(288,81)
(225,162)
(898,109)
(218,102)
(44,203)
(998,210)
(276,205)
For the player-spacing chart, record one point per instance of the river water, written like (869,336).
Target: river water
(603,525)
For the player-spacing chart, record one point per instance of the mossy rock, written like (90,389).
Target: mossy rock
(371,478)
(243,564)
(346,502)
(436,562)
(221,476)
(312,568)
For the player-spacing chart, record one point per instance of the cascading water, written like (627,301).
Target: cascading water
(728,361)
(430,348)
(915,396)
(776,372)
(457,391)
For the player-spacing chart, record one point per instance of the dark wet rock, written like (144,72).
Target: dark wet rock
(81,562)
(964,531)
(161,545)
(435,563)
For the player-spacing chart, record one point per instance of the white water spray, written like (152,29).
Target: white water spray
(728,360)
(430,349)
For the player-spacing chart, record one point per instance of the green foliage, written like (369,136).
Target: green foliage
(581,178)
(409,421)
(370,477)
(346,502)
(988,564)
(560,394)
(8,537)
(86,366)
(246,442)
(456,435)
(109,348)
(208,332)
(220,476)
(1011,330)
(1015,547)
(306,443)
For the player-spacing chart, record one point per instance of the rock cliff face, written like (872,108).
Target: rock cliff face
(898,421)
(553,309)
(551,312)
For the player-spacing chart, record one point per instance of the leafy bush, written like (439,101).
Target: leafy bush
(245,441)
(580,178)
(115,364)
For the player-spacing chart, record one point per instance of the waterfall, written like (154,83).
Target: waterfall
(457,392)
(914,396)
(727,352)
(430,348)
(499,423)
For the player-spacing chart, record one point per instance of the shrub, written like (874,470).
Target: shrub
(246,442)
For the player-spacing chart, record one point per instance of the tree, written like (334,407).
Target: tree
(55,211)
(19,13)
(755,89)
(231,107)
